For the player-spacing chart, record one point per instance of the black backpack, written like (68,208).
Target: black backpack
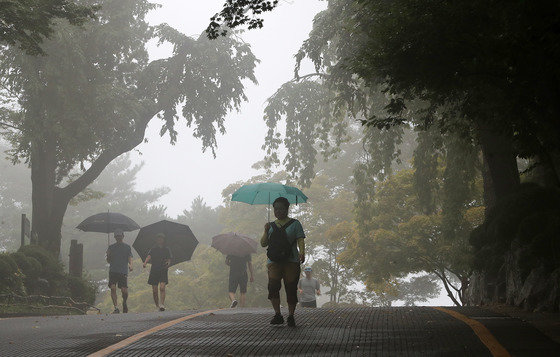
(279,246)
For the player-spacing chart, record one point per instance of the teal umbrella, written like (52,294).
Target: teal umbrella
(265,193)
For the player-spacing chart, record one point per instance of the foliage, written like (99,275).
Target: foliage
(235,13)
(29,266)
(203,220)
(44,275)
(15,199)
(92,97)
(11,278)
(81,289)
(395,238)
(26,23)
(336,280)
(309,112)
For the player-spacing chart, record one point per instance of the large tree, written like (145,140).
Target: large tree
(487,64)
(92,96)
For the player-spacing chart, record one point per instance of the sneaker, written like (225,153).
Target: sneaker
(278,319)
(162,308)
(116,311)
(291,321)
(124,308)
(233,304)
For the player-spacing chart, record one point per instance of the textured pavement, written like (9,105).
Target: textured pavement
(73,335)
(399,331)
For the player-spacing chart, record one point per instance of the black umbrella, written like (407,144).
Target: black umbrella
(108,222)
(178,237)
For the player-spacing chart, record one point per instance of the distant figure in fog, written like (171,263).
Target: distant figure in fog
(238,277)
(308,287)
(119,257)
(286,250)
(160,258)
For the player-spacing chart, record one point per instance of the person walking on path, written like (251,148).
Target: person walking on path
(160,258)
(238,277)
(119,257)
(307,288)
(286,251)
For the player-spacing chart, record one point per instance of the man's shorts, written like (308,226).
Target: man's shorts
(158,276)
(117,278)
(235,280)
(308,303)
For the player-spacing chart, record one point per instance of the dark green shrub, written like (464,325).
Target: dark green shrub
(81,290)
(52,270)
(11,278)
(49,263)
(31,268)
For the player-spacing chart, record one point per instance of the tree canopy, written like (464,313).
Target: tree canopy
(27,23)
(92,96)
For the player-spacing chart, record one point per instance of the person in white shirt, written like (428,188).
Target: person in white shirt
(308,287)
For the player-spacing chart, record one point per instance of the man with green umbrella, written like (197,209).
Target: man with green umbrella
(286,251)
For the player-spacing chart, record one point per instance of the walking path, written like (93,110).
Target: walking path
(399,331)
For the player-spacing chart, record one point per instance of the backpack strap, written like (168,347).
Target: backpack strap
(283,228)
(274,225)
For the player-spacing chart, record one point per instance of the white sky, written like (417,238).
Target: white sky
(195,173)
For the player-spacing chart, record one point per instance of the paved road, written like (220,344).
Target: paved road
(402,331)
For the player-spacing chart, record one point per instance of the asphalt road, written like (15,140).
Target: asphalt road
(399,331)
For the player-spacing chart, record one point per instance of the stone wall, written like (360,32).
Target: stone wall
(517,252)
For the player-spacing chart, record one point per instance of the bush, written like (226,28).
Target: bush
(50,265)
(81,290)
(31,269)
(11,278)
(52,271)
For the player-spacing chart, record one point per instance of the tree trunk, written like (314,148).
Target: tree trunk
(50,201)
(500,159)
(48,207)
(489,194)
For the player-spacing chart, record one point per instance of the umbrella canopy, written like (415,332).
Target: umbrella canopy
(178,237)
(234,244)
(266,193)
(108,222)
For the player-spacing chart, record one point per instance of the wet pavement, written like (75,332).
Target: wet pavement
(399,331)
(73,335)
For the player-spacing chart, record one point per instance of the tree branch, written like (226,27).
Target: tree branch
(9,126)
(443,278)
(105,158)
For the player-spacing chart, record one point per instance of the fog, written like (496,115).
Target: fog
(193,172)
(422,178)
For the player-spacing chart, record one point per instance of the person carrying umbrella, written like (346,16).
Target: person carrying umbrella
(119,255)
(286,250)
(160,258)
(238,277)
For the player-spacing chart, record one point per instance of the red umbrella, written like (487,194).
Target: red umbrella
(234,244)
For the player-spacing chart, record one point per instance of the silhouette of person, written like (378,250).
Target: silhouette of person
(160,258)
(119,257)
(288,271)
(238,277)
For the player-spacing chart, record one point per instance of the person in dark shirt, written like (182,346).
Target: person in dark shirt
(238,277)
(119,257)
(160,258)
